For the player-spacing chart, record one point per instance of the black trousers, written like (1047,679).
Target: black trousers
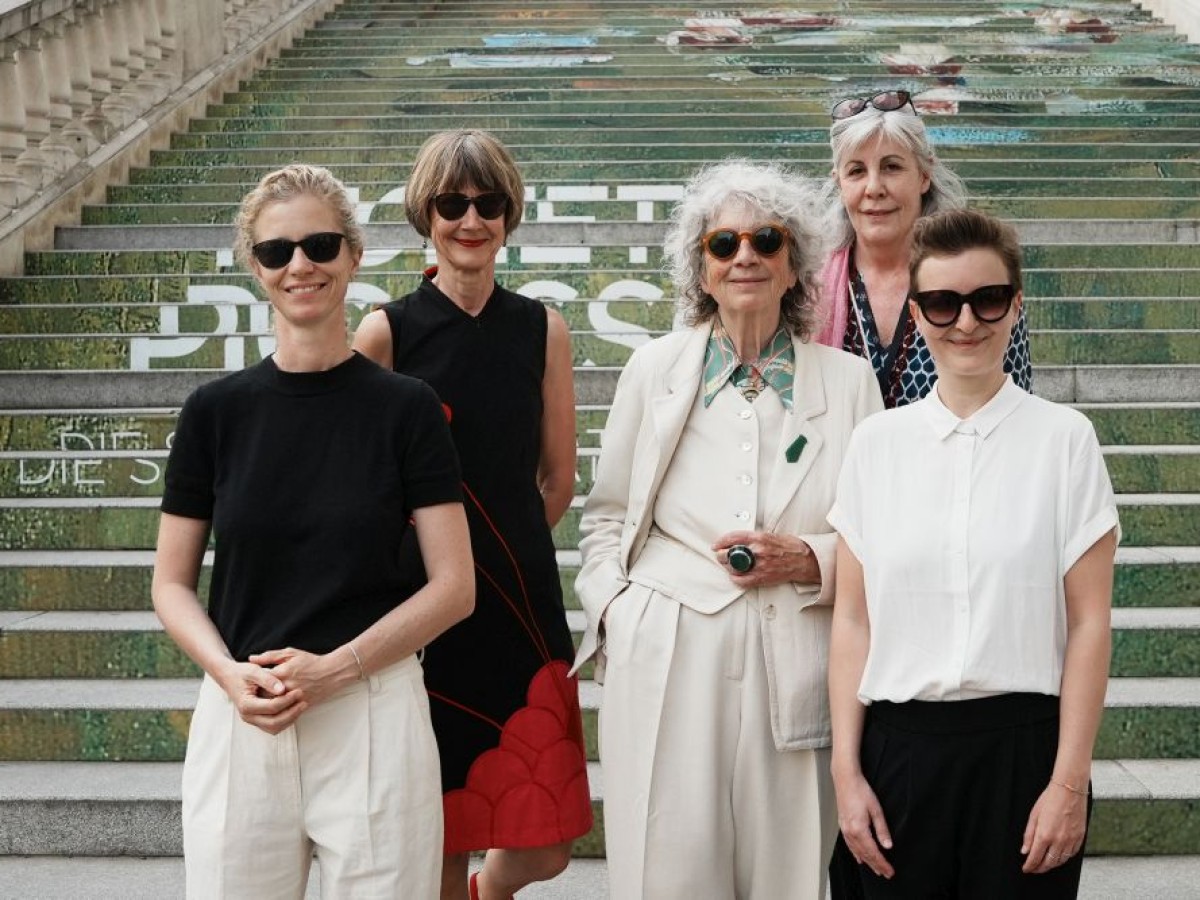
(957,781)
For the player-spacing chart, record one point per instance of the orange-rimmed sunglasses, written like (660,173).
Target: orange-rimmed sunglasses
(724,242)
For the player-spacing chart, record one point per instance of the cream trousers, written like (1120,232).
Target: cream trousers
(698,803)
(356,779)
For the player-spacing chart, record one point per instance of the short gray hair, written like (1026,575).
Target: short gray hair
(946,190)
(782,196)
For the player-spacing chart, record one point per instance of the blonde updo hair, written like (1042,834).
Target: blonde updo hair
(295,180)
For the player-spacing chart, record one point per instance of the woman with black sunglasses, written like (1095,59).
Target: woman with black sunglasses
(310,470)
(887,176)
(971,631)
(505,710)
(708,565)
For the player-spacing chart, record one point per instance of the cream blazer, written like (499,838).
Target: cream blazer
(833,391)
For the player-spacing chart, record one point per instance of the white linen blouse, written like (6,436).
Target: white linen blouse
(965,529)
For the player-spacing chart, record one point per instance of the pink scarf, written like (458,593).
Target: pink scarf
(833,309)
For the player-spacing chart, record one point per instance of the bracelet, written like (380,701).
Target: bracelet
(362,676)
(1073,790)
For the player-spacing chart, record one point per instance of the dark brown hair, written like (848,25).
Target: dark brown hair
(955,231)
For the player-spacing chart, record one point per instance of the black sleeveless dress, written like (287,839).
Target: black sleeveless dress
(504,710)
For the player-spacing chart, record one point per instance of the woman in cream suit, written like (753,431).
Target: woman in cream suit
(708,565)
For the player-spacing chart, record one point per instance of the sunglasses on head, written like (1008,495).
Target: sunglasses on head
(990,304)
(884,101)
(724,242)
(454,206)
(322,247)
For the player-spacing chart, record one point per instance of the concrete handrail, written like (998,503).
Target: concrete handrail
(89,87)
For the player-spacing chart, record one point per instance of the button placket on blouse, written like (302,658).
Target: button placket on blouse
(963,448)
(747,431)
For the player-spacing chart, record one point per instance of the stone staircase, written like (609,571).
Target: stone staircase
(1082,127)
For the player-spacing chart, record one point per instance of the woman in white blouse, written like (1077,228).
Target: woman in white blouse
(970,645)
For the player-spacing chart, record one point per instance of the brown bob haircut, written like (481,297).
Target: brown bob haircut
(452,160)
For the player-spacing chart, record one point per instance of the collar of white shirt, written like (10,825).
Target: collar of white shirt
(985,419)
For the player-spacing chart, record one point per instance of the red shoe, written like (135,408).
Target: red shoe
(473,887)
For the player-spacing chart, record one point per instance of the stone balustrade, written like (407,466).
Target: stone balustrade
(1182,14)
(89,87)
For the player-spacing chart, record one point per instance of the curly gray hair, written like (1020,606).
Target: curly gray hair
(946,190)
(782,196)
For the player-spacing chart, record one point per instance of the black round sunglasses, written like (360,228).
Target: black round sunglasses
(989,304)
(453,206)
(321,247)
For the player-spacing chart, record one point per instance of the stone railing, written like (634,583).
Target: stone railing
(89,87)
(1184,15)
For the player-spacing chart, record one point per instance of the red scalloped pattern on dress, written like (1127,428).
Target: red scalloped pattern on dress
(532,789)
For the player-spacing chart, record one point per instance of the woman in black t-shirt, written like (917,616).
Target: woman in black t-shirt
(309,469)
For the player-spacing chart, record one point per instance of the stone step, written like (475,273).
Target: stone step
(612,84)
(128,808)
(807,109)
(157,878)
(876,12)
(594,386)
(1147,642)
(230,119)
(131,523)
(407,139)
(698,154)
(181,349)
(119,580)
(582,236)
(1109,207)
(171,265)
(336,56)
(1172,468)
(984,187)
(636,289)
(434,71)
(95,305)
(964,24)
(632,280)
(820,17)
(130,719)
(666,165)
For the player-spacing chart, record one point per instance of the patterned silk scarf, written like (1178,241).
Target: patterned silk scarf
(775,367)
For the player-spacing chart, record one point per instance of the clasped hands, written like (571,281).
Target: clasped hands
(778,559)
(273,689)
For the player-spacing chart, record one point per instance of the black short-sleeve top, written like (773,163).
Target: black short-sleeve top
(309,480)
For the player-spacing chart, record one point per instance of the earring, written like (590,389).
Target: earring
(425,243)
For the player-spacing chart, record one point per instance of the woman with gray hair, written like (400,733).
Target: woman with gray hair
(708,565)
(887,176)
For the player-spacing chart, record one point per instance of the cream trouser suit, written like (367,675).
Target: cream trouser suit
(699,803)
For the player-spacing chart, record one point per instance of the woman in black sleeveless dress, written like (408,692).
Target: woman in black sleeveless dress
(504,710)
